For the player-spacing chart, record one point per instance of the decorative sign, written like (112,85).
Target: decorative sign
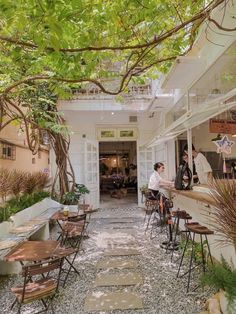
(127,133)
(222,126)
(107,134)
(224,145)
(117,133)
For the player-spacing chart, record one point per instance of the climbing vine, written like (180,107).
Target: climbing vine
(49,47)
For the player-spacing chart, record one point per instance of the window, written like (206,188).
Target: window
(7,151)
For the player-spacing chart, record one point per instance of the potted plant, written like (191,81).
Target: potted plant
(81,189)
(73,197)
(70,198)
(143,189)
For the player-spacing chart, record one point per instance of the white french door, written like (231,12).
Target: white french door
(91,172)
(145,158)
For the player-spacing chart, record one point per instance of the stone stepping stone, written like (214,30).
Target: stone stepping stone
(115,226)
(121,221)
(114,263)
(129,279)
(117,245)
(122,252)
(99,301)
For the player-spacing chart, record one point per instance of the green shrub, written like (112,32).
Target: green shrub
(222,276)
(17,204)
(197,249)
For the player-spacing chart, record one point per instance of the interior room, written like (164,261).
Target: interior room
(118,170)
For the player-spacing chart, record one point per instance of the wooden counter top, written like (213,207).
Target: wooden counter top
(198,196)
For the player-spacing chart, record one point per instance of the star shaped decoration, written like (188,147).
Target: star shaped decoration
(224,145)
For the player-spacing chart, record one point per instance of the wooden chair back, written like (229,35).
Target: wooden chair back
(42,267)
(37,284)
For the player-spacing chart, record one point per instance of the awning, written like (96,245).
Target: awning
(196,117)
(183,72)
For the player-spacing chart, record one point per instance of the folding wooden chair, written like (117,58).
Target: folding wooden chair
(81,220)
(38,285)
(73,231)
(69,255)
(72,236)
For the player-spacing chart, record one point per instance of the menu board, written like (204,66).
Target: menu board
(222,126)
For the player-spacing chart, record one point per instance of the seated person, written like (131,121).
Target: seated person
(156,181)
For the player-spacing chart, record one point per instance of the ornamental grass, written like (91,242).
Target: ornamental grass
(17,181)
(34,181)
(5,183)
(223,217)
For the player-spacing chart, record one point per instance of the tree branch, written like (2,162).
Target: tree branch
(222,27)
(203,14)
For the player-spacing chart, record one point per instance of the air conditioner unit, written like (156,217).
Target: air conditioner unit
(133,119)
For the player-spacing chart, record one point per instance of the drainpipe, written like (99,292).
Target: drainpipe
(189,140)
(190,156)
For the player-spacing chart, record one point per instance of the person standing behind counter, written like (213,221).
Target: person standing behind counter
(156,181)
(203,168)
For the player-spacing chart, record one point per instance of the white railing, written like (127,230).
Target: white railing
(96,93)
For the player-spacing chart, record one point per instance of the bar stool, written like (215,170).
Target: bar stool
(195,228)
(161,218)
(151,207)
(178,215)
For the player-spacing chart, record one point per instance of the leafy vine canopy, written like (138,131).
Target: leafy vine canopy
(79,41)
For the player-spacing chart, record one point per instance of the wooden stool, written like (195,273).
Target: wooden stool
(151,207)
(195,228)
(178,215)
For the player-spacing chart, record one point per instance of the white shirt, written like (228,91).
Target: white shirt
(154,181)
(202,168)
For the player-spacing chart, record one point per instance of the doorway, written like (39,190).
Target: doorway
(118,173)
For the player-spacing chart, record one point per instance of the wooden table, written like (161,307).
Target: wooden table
(32,251)
(59,215)
(35,251)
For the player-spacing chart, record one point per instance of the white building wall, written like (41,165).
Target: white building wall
(165,153)
(84,124)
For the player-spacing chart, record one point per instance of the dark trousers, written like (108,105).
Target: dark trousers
(153,195)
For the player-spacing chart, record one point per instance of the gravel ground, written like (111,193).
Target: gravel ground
(161,292)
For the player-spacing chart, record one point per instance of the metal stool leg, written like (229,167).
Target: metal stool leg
(209,251)
(148,222)
(176,228)
(191,261)
(182,257)
(203,255)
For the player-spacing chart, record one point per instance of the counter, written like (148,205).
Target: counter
(200,205)
(195,195)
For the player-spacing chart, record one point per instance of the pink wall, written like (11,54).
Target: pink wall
(24,156)
(23,161)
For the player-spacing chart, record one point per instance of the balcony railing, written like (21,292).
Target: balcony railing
(95,93)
